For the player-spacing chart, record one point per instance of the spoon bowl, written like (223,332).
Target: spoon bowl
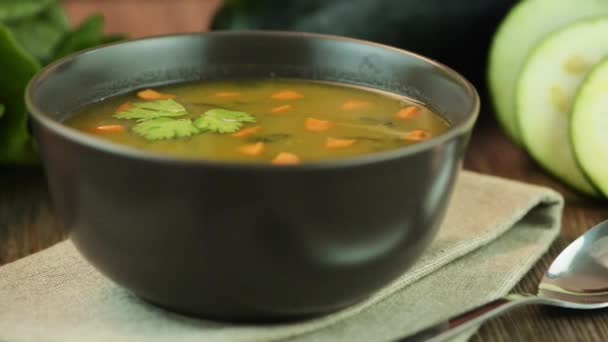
(577,279)
(580,273)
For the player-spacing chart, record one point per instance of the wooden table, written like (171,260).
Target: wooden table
(27,222)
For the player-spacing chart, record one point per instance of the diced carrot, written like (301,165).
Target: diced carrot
(227,94)
(317,125)
(407,113)
(252,149)
(110,129)
(334,143)
(124,107)
(151,95)
(417,135)
(286,95)
(354,105)
(246,132)
(282,109)
(286,158)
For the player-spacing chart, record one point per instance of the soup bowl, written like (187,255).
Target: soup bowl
(248,242)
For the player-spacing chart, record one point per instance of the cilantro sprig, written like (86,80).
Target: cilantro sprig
(158,120)
(142,111)
(222,121)
(165,128)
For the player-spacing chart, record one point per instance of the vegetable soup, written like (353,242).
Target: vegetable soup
(279,121)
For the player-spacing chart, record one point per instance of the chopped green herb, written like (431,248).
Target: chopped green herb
(165,128)
(365,138)
(149,110)
(375,121)
(223,121)
(269,138)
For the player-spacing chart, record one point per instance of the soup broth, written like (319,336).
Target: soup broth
(284,122)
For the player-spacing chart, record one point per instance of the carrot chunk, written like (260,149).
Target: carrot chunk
(317,125)
(282,109)
(417,135)
(355,105)
(407,113)
(286,158)
(151,95)
(109,129)
(246,132)
(333,143)
(227,94)
(124,107)
(286,95)
(252,149)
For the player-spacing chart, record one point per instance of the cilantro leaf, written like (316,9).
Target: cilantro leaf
(149,110)
(222,121)
(165,128)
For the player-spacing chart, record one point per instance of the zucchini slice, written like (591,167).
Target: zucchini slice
(589,126)
(545,92)
(525,26)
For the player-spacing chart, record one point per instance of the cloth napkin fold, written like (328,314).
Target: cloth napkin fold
(494,232)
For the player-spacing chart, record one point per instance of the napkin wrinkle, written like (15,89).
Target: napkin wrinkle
(493,233)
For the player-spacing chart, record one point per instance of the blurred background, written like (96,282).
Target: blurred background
(140,18)
(457,33)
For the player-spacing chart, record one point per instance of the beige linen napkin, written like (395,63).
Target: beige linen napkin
(494,231)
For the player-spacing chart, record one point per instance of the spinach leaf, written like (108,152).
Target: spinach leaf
(33,33)
(16,144)
(87,35)
(12,10)
(40,34)
(113,38)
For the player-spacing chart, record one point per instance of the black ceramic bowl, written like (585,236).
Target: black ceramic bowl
(248,242)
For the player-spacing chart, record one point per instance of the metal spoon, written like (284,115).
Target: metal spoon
(577,279)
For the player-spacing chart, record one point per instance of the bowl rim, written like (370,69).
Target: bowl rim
(90,141)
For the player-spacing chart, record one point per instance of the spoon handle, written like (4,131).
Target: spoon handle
(448,329)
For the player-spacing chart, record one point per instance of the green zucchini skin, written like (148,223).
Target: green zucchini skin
(548,83)
(456,33)
(526,25)
(589,126)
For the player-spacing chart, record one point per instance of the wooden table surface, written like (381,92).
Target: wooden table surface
(27,222)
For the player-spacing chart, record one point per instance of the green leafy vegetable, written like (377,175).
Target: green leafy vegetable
(156,120)
(149,110)
(18,67)
(87,35)
(113,38)
(222,121)
(33,33)
(165,128)
(12,10)
(40,34)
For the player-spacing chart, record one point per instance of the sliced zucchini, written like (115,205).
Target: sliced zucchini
(589,126)
(545,92)
(527,24)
